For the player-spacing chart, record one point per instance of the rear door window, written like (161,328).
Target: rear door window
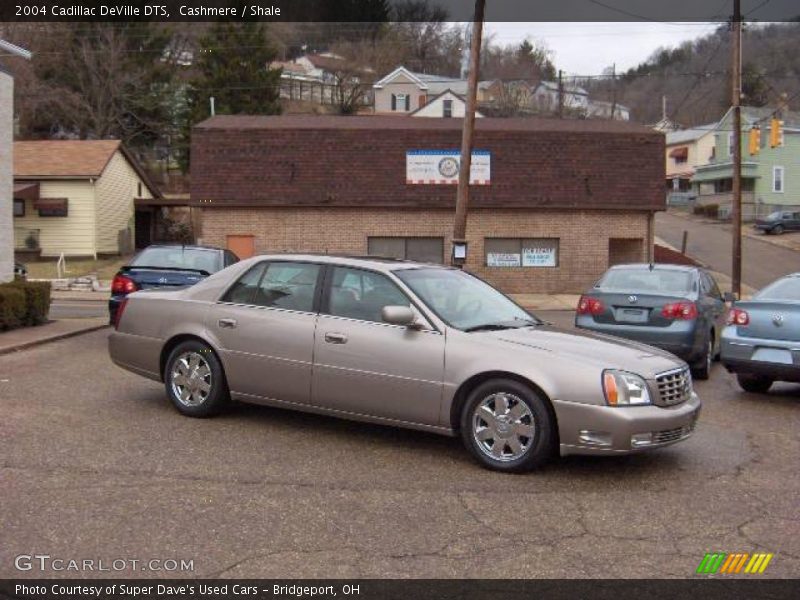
(288,285)
(244,290)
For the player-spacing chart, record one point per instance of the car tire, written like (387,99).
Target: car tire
(503,411)
(755,384)
(195,381)
(701,369)
(777,230)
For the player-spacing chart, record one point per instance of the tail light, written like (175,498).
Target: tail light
(123,285)
(683,311)
(590,306)
(737,316)
(118,314)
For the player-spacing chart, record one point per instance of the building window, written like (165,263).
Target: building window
(401,102)
(447,108)
(139,189)
(524,252)
(19,207)
(422,249)
(777,179)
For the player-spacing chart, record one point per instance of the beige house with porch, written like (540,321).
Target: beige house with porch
(76,197)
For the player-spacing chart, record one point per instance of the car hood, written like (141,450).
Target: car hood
(584,347)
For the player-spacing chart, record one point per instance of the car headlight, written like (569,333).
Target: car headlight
(625,389)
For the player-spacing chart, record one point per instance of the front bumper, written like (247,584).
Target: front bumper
(604,430)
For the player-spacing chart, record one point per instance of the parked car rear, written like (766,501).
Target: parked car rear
(166,265)
(778,222)
(761,343)
(674,307)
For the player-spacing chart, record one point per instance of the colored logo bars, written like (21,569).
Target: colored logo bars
(723,563)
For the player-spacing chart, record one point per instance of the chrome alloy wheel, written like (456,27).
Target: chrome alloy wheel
(190,379)
(503,426)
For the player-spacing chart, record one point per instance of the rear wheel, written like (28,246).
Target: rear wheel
(195,381)
(756,384)
(507,426)
(702,368)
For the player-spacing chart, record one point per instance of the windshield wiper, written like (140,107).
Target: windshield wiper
(515,324)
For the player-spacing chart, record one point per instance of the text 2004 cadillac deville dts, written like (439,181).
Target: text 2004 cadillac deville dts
(405,344)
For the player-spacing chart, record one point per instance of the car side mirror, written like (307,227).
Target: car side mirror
(399,315)
(729,297)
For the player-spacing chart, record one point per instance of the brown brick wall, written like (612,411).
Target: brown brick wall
(584,236)
(361,161)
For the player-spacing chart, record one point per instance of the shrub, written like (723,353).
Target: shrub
(12,307)
(711,210)
(33,308)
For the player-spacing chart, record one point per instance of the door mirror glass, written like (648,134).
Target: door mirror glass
(399,315)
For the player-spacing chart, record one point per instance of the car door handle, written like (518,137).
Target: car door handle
(227,323)
(336,338)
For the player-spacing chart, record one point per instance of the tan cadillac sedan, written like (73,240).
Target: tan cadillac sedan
(405,344)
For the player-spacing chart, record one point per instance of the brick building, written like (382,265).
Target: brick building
(558,201)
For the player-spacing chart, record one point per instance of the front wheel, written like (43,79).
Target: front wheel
(195,381)
(507,426)
(777,230)
(756,384)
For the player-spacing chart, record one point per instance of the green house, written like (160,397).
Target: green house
(770,175)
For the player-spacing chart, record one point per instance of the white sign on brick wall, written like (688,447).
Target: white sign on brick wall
(441,167)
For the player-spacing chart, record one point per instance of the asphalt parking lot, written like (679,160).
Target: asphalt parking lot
(97,465)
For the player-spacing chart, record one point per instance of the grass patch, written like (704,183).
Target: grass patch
(104,268)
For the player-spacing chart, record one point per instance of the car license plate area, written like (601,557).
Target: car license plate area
(631,315)
(773,355)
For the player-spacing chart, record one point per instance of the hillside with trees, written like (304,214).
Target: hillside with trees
(695,76)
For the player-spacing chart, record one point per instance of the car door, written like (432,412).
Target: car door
(265,324)
(795,222)
(367,367)
(713,303)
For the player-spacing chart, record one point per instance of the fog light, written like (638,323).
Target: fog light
(641,439)
(595,438)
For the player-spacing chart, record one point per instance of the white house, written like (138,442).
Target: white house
(598,109)
(6,163)
(404,91)
(545,97)
(445,105)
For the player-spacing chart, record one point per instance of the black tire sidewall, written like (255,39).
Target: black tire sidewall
(701,369)
(217,397)
(542,448)
(757,384)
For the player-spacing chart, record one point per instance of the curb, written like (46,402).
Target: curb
(54,338)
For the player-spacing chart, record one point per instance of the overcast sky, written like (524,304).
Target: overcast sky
(588,48)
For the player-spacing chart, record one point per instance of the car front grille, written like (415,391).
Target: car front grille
(674,386)
(673,435)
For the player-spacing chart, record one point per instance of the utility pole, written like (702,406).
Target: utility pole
(613,90)
(736,97)
(462,199)
(560,94)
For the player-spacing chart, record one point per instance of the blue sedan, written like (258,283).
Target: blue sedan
(166,265)
(761,343)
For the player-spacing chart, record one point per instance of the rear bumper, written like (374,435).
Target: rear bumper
(607,430)
(680,338)
(737,356)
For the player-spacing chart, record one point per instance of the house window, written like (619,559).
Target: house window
(139,189)
(422,249)
(19,207)
(447,108)
(521,252)
(730,143)
(401,102)
(777,179)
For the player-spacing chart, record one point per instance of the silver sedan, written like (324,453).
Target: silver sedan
(405,344)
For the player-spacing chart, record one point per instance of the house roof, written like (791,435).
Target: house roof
(552,86)
(379,122)
(434,84)
(71,159)
(684,136)
(459,97)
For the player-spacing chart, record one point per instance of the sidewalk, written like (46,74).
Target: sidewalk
(26,337)
(88,296)
(546,301)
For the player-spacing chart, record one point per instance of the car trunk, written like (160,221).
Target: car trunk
(771,320)
(634,309)
(154,277)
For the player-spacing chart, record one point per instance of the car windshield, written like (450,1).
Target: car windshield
(787,288)
(463,301)
(776,216)
(657,281)
(176,257)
